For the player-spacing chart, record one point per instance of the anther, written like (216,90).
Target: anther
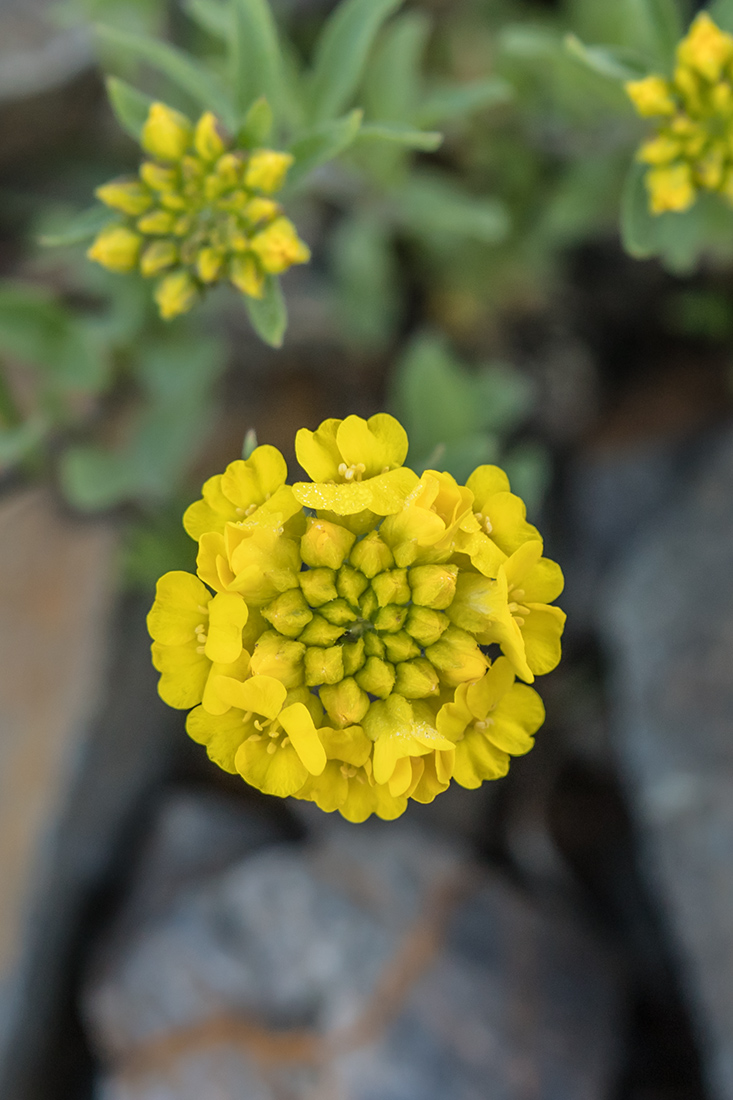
(201,649)
(272,748)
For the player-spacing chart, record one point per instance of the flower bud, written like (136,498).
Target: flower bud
(376,677)
(279,247)
(433,585)
(351,584)
(368,604)
(416,679)
(353,656)
(288,613)
(266,170)
(392,587)
(158,222)
(318,586)
(373,645)
(319,632)
(158,177)
(157,257)
(175,294)
(206,139)
(129,196)
(260,210)
(371,555)
(346,703)
(323,666)
(457,657)
(279,657)
(116,248)
(390,618)
(426,625)
(338,612)
(247,277)
(400,647)
(166,133)
(209,264)
(325,543)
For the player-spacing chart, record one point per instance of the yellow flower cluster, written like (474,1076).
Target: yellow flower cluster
(356,640)
(693,147)
(198,213)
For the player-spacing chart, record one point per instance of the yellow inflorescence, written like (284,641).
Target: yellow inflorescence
(356,640)
(199,212)
(693,147)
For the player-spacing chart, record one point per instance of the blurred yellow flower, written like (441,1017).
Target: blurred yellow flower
(201,212)
(693,147)
(351,654)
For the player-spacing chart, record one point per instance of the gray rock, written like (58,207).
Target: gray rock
(668,612)
(36,53)
(373,964)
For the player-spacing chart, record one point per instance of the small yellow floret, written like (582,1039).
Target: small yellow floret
(651,96)
(279,247)
(670,189)
(207,140)
(175,294)
(706,48)
(116,248)
(167,133)
(128,196)
(266,170)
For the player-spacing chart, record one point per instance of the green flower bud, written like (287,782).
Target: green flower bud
(319,632)
(457,657)
(159,178)
(129,196)
(368,604)
(318,586)
(400,647)
(390,618)
(157,223)
(116,248)
(377,677)
(325,543)
(346,703)
(338,612)
(323,666)
(416,679)
(351,584)
(157,257)
(175,294)
(433,585)
(289,613)
(279,657)
(373,645)
(426,625)
(371,555)
(353,656)
(166,133)
(392,587)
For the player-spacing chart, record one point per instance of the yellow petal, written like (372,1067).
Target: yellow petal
(318,453)
(166,133)
(483,696)
(181,604)
(401,777)
(485,481)
(378,442)
(183,674)
(280,773)
(221,734)
(298,724)
(213,700)
(541,632)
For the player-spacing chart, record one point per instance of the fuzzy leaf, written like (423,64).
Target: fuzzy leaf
(426,140)
(342,52)
(269,315)
(454,101)
(638,231)
(256,57)
(130,106)
(82,227)
(323,143)
(609,61)
(211,16)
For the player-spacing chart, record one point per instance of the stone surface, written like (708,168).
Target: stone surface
(82,736)
(375,963)
(36,52)
(668,613)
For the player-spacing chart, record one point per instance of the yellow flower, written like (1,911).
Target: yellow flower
(355,465)
(200,211)
(490,720)
(693,147)
(344,659)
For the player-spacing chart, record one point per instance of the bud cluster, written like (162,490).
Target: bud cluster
(693,147)
(198,213)
(356,640)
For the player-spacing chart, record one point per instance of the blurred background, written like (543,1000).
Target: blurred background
(565,933)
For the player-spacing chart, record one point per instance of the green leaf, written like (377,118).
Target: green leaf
(529,467)
(342,52)
(323,143)
(93,479)
(256,56)
(130,106)
(80,228)
(18,442)
(638,229)
(367,279)
(455,101)
(426,140)
(528,42)
(613,62)
(211,16)
(658,28)
(257,124)
(393,81)
(435,208)
(41,333)
(269,314)
(181,70)
(721,11)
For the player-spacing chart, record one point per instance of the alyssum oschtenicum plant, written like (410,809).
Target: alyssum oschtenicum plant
(356,640)
(693,148)
(199,213)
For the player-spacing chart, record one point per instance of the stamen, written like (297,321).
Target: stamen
(247,715)
(201,649)
(251,510)
(203,610)
(285,742)
(272,748)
